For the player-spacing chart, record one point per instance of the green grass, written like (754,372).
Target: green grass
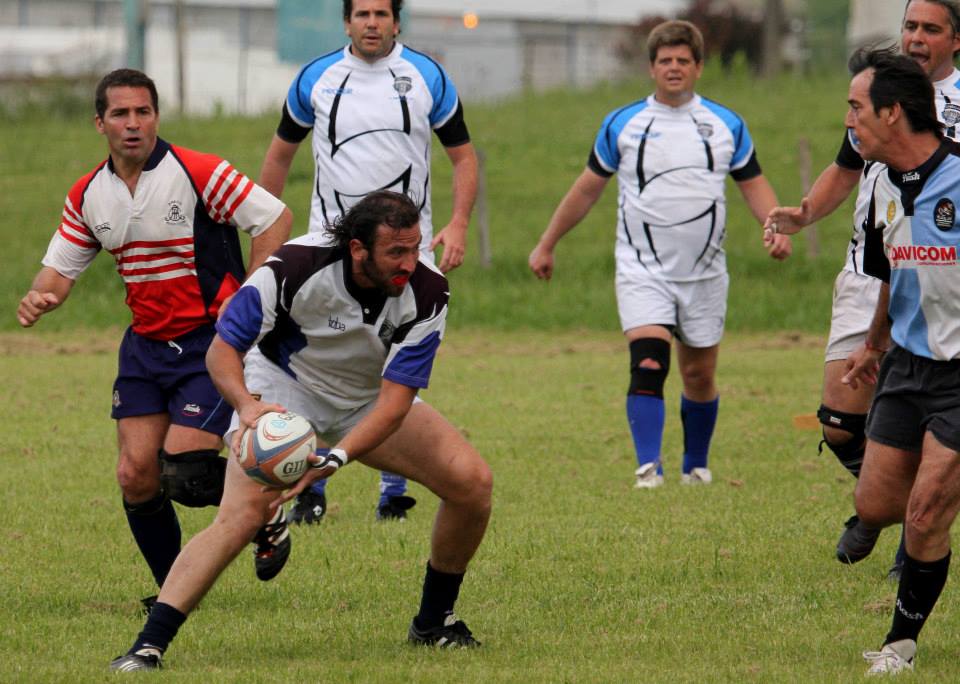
(580,578)
(535,147)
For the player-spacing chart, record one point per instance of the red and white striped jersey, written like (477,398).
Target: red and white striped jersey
(174,240)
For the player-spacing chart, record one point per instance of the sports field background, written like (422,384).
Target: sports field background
(581,578)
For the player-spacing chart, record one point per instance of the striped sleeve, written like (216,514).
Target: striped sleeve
(74,245)
(227,195)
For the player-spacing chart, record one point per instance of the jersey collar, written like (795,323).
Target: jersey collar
(358,63)
(652,101)
(915,178)
(159,152)
(371,300)
(951,81)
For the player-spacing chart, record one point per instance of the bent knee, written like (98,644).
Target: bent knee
(471,486)
(138,481)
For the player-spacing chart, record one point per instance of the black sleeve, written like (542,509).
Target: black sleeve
(454,133)
(749,170)
(594,165)
(289,130)
(875,262)
(848,157)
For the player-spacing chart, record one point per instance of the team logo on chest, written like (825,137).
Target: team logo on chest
(386,333)
(944,214)
(891,211)
(175,213)
(950,114)
(705,130)
(403,85)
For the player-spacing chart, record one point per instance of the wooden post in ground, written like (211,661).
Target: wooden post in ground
(813,242)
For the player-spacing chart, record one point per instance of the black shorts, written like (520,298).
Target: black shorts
(915,394)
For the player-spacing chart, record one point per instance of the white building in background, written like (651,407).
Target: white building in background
(874,22)
(232,61)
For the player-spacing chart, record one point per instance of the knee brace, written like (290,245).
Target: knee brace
(648,381)
(193,478)
(850,452)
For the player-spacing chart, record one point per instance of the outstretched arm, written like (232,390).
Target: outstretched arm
(453,236)
(576,204)
(760,197)
(48,291)
(829,191)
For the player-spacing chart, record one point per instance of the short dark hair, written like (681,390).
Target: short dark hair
(361,221)
(395,7)
(130,78)
(677,32)
(898,79)
(953,10)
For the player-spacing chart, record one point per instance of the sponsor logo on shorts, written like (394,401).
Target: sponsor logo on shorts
(403,85)
(944,214)
(334,322)
(175,213)
(191,410)
(891,211)
(116,398)
(911,256)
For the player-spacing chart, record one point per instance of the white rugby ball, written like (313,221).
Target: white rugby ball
(275,452)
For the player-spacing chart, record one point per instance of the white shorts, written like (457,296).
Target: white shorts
(854,301)
(696,309)
(274,386)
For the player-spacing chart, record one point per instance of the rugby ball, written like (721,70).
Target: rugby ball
(275,452)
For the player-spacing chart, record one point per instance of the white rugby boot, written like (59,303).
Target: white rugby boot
(697,476)
(892,659)
(647,476)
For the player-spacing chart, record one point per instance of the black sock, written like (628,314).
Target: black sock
(920,587)
(161,627)
(440,591)
(157,532)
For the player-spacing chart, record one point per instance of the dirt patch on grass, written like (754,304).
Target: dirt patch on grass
(33,343)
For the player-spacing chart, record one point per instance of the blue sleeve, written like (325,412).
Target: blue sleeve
(300,95)
(241,324)
(412,365)
(442,90)
(605,147)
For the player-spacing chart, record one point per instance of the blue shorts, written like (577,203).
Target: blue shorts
(169,377)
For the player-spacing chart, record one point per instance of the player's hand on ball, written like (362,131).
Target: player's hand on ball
(321,466)
(249,414)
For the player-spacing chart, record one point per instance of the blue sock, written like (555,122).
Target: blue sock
(320,486)
(156,530)
(699,419)
(646,415)
(391,484)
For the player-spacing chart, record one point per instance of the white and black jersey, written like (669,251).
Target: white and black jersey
(304,313)
(372,127)
(947,93)
(671,164)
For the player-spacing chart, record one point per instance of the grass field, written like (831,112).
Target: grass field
(580,579)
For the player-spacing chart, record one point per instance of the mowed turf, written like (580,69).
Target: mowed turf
(580,579)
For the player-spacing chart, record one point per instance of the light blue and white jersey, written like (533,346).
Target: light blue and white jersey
(947,93)
(912,240)
(671,164)
(372,126)
(303,311)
